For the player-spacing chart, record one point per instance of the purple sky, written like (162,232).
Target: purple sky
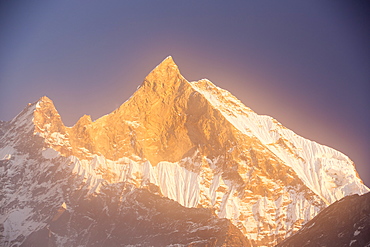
(305,63)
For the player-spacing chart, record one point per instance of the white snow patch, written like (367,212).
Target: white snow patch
(16,223)
(7,157)
(7,152)
(352,242)
(50,153)
(134,124)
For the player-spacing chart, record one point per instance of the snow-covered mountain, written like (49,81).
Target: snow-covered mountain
(189,141)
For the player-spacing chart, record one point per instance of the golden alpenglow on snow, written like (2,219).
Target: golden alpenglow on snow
(235,178)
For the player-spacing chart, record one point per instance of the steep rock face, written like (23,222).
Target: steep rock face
(194,143)
(344,223)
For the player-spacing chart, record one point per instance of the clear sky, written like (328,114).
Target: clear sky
(305,63)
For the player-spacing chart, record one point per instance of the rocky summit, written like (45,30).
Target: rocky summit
(178,164)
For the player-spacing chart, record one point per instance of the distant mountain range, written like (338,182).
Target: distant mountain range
(178,164)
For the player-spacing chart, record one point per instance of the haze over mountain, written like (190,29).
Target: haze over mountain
(191,142)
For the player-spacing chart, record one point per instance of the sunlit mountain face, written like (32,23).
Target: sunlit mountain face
(179,163)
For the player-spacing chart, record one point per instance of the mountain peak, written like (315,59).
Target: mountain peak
(167,64)
(47,121)
(45,99)
(166,72)
(45,105)
(168,61)
(84,120)
(27,115)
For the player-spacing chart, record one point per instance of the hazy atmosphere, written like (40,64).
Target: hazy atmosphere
(304,63)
